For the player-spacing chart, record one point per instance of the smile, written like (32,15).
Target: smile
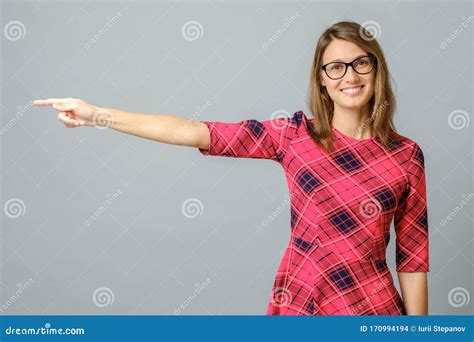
(353,91)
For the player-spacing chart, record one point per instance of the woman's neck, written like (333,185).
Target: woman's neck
(352,122)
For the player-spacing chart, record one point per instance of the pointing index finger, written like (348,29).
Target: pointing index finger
(48,102)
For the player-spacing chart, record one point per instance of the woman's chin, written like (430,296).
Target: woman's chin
(353,103)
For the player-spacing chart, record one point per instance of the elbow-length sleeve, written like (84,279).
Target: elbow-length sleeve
(251,138)
(411,219)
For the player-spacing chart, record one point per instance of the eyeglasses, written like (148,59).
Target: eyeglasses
(362,65)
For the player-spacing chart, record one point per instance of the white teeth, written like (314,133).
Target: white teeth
(352,90)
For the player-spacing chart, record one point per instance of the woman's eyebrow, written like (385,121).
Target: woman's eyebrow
(340,60)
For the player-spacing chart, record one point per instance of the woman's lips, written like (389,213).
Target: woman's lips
(352,91)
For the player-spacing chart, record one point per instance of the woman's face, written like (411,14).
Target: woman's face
(341,50)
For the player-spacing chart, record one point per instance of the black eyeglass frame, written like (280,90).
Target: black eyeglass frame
(351,64)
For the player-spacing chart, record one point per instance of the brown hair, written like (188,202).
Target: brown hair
(382,104)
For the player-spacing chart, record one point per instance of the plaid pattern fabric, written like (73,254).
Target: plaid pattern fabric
(342,205)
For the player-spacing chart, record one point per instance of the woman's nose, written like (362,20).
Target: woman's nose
(351,75)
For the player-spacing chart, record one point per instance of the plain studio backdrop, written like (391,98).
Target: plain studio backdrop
(98,222)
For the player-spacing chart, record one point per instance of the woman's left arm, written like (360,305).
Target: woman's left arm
(414,287)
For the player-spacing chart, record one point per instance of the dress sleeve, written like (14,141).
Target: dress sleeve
(267,139)
(411,220)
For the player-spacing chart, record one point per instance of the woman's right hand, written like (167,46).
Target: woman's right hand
(169,129)
(76,112)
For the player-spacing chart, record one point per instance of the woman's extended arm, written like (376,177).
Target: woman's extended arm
(414,287)
(170,129)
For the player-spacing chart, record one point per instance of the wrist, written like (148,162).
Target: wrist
(103,117)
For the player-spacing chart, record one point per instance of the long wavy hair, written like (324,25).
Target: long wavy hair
(382,105)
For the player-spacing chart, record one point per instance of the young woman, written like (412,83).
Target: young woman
(349,174)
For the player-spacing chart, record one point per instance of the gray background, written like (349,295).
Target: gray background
(142,254)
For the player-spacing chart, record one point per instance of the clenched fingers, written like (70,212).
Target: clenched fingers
(62,116)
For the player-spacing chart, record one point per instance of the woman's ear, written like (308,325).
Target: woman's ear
(321,82)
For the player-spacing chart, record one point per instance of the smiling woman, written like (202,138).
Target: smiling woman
(349,86)
(350,175)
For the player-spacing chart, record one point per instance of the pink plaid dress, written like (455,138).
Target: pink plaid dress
(342,205)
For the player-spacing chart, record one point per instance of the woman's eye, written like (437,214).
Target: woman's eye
(335,67)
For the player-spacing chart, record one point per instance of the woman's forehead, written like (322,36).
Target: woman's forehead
(342,50)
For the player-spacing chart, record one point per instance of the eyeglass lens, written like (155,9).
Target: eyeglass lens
(361,65)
